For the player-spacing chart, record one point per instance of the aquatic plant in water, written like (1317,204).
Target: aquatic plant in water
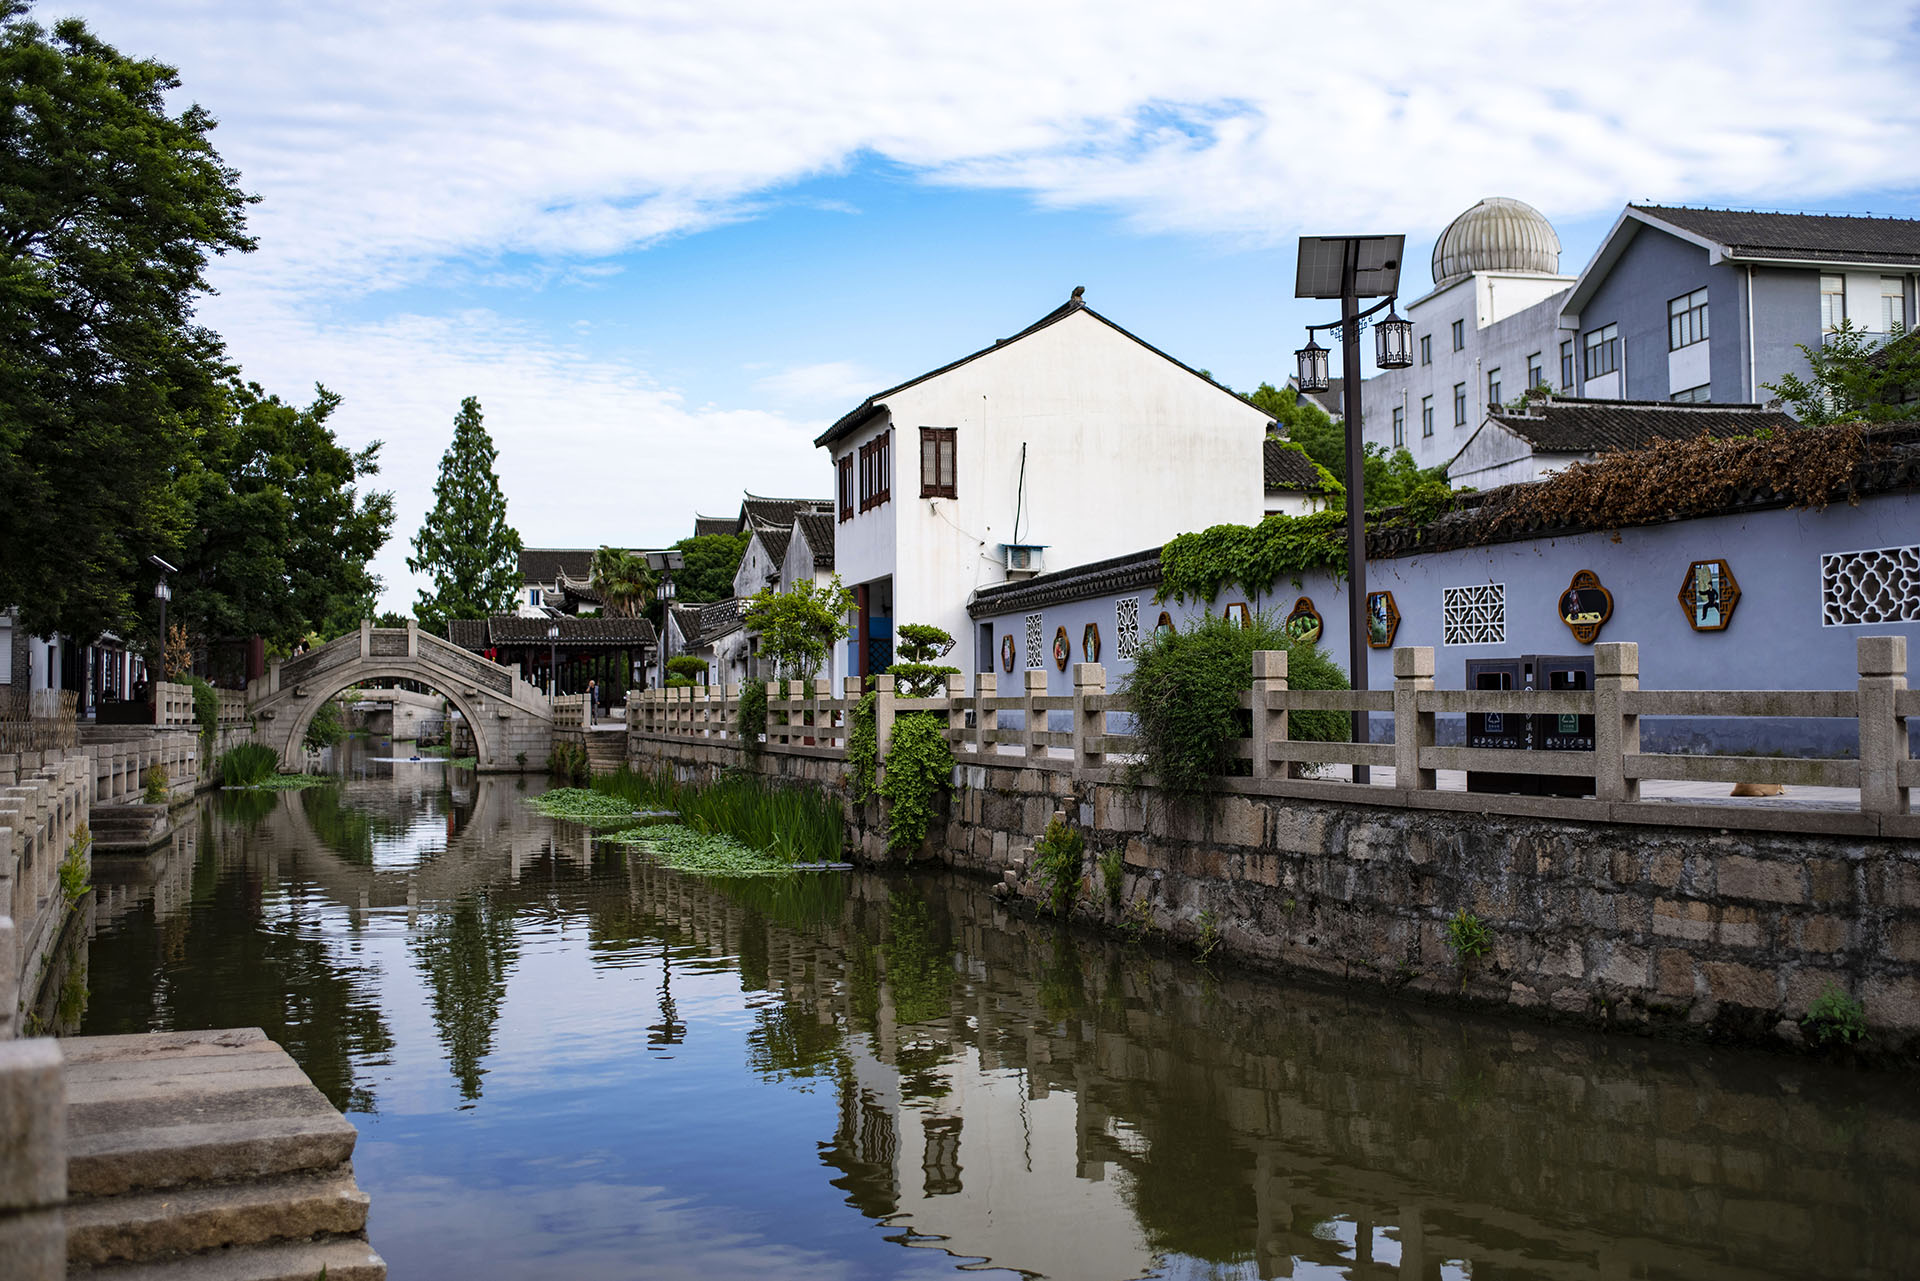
(582,805)
(685,850)
(789,823)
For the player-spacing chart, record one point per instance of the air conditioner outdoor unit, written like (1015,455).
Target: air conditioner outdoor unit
(1023,558)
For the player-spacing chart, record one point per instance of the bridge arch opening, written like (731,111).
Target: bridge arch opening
(323,691)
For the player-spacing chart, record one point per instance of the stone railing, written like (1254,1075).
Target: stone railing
(42,808)
(173,705)
(120,757)
(805,720)
(570,711)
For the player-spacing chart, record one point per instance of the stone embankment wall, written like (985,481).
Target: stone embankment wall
(121,755)
(42,809)
(1682,930)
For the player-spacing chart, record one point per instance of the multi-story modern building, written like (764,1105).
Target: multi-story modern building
(1677,305)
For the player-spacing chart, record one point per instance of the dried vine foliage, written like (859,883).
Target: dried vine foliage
(1807,467)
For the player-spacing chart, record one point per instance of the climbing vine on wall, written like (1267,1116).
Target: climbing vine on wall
(863,751)
(919,768)
(1198,566)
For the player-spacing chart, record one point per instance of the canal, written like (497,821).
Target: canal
(567,1062)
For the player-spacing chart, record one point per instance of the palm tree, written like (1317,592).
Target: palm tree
(624,582)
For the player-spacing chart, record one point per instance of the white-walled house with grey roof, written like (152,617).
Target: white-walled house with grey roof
(1071,441)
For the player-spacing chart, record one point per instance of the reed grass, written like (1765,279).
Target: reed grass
(789,824)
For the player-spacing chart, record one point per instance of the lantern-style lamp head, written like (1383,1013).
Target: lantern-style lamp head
(553,631)
(1313,366)
(1393,341)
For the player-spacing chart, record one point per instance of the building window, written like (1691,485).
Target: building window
(1036,654)
(533,595)
(1399,427)
(1126,628)
(1893,304)
(1603,352)
(1536,371)
(1694,395)
(1493,389)
(1459,404)
(1687,320)
(1833,302)
(937,447)
(876,471)
(983,652)
(1566,366)
(1459,335)
(1878,586)
(1426,349)
(1426,416)
(845,468)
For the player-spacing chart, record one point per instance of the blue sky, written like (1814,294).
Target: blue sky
(666,243)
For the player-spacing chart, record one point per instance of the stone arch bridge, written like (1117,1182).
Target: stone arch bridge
(512,721)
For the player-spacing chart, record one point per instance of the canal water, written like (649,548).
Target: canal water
(567,1062)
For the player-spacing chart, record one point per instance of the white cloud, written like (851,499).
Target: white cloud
(417,143)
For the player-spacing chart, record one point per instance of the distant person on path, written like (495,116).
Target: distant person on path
(593,699)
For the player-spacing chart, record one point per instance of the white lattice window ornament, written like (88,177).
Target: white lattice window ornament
(1036,642)
(1879,586)
(1475,614)
(1126,628)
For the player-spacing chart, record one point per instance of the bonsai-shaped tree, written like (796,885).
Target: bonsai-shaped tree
(686,669)
(917,675)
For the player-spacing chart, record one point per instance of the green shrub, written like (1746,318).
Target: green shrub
(1185,689)
(206,705)
(688,669)
(1113,870)
(1207,942)
(327,726)
(568,763)
(917,675)
(753,716)
(1836,1017)
(157,785)
(1467,938)
(73,868)
(863,750)
(1056,865)
(919,769)
(247,765)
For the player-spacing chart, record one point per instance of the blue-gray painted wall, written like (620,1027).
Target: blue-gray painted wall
(1776,639)
(1786,309)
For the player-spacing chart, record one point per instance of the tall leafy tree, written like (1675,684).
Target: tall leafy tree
(282,530)
(708,564)
(798,626)
(466,545)
(110,208)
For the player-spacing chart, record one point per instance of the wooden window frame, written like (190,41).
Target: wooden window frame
(844,483)
(876,471)
(943,483)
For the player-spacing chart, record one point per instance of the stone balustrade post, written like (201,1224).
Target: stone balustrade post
(1036,717)
(1616,732)
(956,710)
(1412,728)
(413,638)
(1089,723)
(986,720)
(796,710)
(730,708)
(1883,735)
(1269,703)
(366,637)
(33,1165)
(883,714)
(822,693)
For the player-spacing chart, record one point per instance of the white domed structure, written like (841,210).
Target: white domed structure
(1498,234)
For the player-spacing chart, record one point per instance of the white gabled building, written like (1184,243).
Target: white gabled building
(1069,442)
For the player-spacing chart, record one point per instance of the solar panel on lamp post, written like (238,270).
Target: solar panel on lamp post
(1351,268)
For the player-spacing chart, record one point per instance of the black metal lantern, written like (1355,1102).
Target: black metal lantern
(1313,365)
(1393,341)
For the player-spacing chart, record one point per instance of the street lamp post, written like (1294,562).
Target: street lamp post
(1351,268)
(553,659)
(664,565)
(162,593)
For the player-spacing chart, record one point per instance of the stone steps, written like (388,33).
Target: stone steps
(207,1154)
(132,829)
(606,750)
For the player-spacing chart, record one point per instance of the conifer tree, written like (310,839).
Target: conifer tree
(466,545)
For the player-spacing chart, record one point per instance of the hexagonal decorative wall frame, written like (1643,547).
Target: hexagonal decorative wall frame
(1709,594)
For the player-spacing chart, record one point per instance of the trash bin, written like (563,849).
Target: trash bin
(1529,733)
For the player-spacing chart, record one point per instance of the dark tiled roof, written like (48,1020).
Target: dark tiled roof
(1288,468)
(547,564)
(862,413)
(468,633)
(1562,425)
(777,513)
(817,529)
(775,541)
(1820,237)
(507,629)
(705,525)
(701,625)
(1097,578)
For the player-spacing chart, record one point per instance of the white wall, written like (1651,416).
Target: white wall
(1124,449)
(757,570)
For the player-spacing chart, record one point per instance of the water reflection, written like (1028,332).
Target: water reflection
(863,1075)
